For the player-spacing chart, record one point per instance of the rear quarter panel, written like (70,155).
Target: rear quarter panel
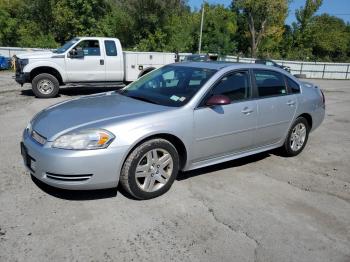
(310,102)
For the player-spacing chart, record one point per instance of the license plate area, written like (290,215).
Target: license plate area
(28,160)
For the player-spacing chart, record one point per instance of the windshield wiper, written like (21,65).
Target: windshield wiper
(142,99)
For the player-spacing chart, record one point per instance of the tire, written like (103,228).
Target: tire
(154,178)
(296,138)
(45,86)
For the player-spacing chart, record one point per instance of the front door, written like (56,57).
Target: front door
(223,130)
(91,67)
(276,107)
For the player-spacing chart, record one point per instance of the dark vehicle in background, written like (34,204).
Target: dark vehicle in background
(269,62)
(201,58)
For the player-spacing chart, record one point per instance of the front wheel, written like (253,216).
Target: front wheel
(45,86)
(297,137)
(150,170)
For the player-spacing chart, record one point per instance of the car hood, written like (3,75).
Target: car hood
(90,111)
(36,55)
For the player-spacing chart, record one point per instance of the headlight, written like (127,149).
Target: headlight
(84,140)
(23,62)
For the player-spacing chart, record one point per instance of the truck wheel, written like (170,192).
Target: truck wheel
(45,86)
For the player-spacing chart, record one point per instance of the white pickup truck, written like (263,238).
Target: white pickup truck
(85,60)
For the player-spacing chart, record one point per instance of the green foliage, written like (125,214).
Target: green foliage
(330,38)
(305,14)
(264,22)
(77,17)
(219,29)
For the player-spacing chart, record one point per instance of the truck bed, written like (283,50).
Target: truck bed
(136,62)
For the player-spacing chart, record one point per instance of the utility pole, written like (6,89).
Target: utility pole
(200,33)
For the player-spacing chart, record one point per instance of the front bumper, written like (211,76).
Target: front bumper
(73,169)
(22,78)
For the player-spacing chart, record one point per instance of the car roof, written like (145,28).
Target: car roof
(219,65)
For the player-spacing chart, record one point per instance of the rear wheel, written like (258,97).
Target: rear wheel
(45,86)
(297,137)
(150,170)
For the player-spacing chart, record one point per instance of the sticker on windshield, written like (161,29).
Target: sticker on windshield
(182,98)
(174,98)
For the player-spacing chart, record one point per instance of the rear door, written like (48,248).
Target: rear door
(227,129)
(113,60)
(276,107)
(91,67)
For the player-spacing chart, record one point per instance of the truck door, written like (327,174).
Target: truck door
(90,67)
(113,60)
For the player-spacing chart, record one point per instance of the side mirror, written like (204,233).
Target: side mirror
(76,53)
(218,100)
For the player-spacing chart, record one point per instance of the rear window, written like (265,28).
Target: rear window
(111,49)
(269,83)
(293,86)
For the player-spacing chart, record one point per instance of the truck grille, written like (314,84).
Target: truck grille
(18,65)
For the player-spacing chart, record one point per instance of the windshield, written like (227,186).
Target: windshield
(66,46)
(169,86)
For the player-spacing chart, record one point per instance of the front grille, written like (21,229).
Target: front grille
(68,178)
(18,65)
(38,138)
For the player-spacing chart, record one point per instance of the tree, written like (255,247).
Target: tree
(265,18)
(150,16)
(117,23)
(305,14)
(330,38)
(219,28)
(301,31)
(77,17)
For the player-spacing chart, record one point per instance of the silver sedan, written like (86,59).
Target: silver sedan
(180,117)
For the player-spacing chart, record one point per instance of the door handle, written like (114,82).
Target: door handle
(247,110)
(102,62)
(291,103)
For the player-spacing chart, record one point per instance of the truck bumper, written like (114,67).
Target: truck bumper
(22,78)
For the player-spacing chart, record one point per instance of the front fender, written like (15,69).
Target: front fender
(35,64)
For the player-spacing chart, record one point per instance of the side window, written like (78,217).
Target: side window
(235,85)
(269,83)
(111,49)
(293,87)
(90,47)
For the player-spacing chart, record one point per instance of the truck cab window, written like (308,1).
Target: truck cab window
(111,49)
(90,47)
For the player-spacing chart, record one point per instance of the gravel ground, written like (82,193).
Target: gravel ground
(259,208)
